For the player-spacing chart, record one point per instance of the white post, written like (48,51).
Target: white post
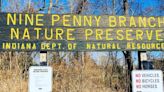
(143,56)
(144,60)
(43,58)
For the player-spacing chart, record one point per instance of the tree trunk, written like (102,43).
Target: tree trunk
(80,6)
(50,7)
(128,53)
(79,11)
(125,6)
(29,5)
(0,5)
(113,10)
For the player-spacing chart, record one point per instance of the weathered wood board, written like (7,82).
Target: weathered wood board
(80,32)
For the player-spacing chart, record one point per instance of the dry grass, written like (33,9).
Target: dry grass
(73,77)
(10,81)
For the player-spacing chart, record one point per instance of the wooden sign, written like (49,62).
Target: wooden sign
(53,32)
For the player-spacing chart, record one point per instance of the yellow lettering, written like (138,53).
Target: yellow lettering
(160,21)
(55,18)
(129,35)
(88,33)
(108,34)
(97,18)
(99,33)
(77,21)
(46,34)
(66,20)
(120,35)
(139,34)
(122,21)
(37,32)
(149,34)
(59,33)
(87,20)
(29,19)
(112,21)
(142,21)
(26,34)
(39,19)
(132,22)
(11,18)
(14,33)
(69,34)
(158,35)
(150,20)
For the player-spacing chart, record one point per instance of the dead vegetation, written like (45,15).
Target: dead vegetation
(67,77)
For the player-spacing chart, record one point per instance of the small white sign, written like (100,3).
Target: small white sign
(144,56)
(40,79)
(43,57)
(147,81)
